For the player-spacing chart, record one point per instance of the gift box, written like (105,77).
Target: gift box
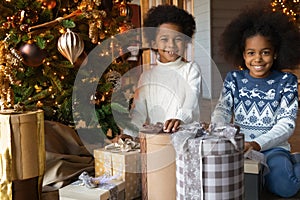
(22,151)
(158,166)
(253,179)
(255,167)
(103,162)
(109,191)
(126,166)
(209,166)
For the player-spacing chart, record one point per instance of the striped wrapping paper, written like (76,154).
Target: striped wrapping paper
(208,167)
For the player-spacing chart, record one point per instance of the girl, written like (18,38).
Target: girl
(261,99)
(168,93)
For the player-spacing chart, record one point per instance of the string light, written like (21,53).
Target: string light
(290,8)
(39,104)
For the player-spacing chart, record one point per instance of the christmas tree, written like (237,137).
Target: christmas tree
(47,44)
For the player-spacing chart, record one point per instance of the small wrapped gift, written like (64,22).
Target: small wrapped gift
(210,166)
(89,188)
(122,164)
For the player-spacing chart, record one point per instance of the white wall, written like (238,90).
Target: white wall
(202,44)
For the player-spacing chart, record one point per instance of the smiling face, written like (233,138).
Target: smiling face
(259,55)
(169,42)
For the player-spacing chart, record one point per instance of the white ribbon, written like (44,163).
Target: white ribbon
(201,170)
(92,182)
(123,146)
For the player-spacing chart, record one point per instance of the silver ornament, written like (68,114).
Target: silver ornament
(70,45)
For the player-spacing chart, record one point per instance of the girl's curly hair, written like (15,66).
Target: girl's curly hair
(169,14)
(282,32)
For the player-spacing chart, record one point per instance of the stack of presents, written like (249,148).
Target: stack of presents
(119,174)
(189,164)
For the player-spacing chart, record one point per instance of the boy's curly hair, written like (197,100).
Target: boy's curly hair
(169,14)
(283,34)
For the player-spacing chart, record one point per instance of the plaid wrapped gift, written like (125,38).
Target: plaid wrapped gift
(209,167)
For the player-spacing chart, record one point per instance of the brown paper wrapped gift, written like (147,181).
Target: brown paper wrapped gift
(158,167)
(22,149)
(125,165)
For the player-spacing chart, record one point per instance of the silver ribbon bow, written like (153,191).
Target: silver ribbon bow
(123,146)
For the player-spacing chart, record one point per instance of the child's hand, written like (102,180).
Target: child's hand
(171,125)
(251,145)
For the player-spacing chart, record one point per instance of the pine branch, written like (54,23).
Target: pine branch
(39,96)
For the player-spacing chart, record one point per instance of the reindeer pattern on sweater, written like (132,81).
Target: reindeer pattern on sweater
(264,108)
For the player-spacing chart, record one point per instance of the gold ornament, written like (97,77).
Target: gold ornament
(70,45)
(93,33)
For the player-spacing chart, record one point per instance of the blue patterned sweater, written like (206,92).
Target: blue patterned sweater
(264,108)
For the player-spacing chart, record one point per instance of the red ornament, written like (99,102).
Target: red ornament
(32,55)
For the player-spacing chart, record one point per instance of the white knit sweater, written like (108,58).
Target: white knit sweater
(168,91)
